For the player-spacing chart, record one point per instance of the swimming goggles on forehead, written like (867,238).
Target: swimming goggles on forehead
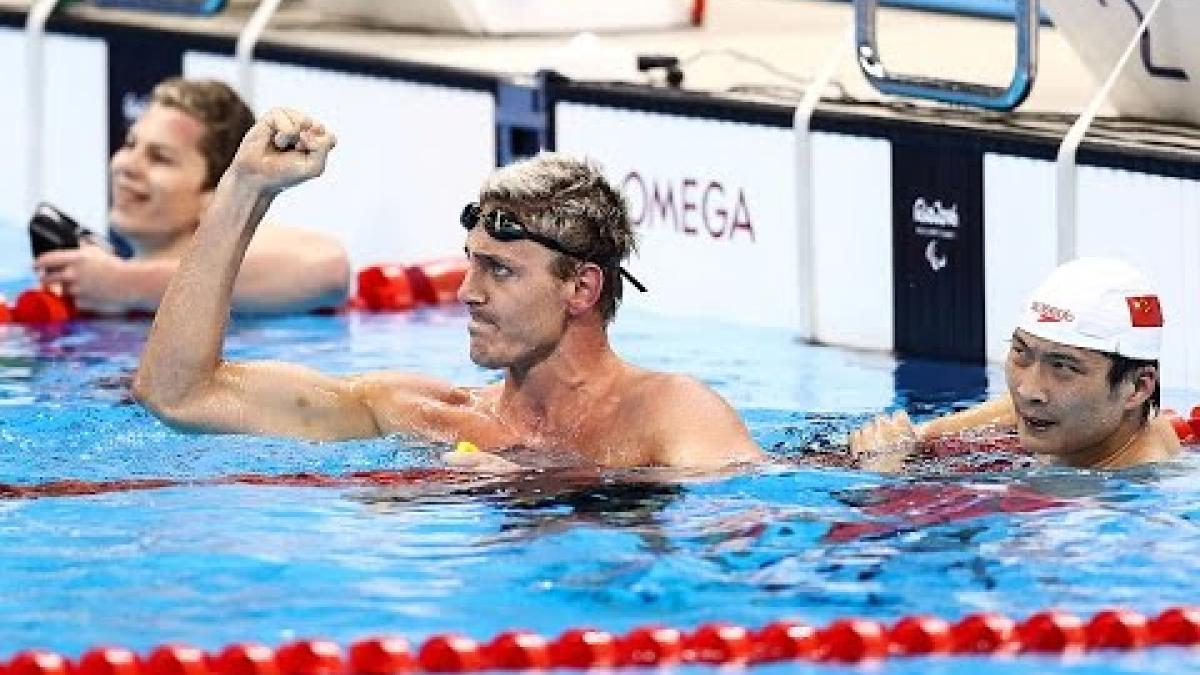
(502,225)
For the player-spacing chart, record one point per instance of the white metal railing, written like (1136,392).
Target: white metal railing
(244,51)
(805,217)
(1066,197)
(35,97)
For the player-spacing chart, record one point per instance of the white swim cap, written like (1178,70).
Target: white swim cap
(1097,303)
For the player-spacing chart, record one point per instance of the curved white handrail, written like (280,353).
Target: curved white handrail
(244,51)
(805,219)
(1065,165)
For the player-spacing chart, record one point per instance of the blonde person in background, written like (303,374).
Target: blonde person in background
(1082,374)
(162,181)
(545,242)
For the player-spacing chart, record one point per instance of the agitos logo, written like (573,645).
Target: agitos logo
(690,207)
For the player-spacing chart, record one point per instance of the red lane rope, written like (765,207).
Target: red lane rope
(381,288)
(73,487)
(848,640)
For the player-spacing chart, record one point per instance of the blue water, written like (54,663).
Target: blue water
(214,564)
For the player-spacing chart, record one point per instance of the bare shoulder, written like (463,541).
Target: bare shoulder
(668,391)
(1165,444)
(690,423)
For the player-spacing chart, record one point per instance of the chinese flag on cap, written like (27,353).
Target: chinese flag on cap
(1144,311)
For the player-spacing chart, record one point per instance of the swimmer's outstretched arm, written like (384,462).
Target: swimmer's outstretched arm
(884,443)
(996,412)
(182,377)
(285,270)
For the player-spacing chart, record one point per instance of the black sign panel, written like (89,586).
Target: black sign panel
(937,250)
(136,62)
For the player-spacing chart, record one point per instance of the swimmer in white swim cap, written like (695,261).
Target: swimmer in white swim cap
(545,240)
(1082,374)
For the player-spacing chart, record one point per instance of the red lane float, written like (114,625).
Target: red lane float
(984,633)
(108,661)
(917,635)
(38,307)
(847,640)
(651,646)
(450,653)
(396,288)
(584,648)
(518,650)
(38,662)
(176,659)
(718,643)
(783,641)
(381,656)
(245,658)
(1188,429)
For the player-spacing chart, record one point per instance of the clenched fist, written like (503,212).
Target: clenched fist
(284,148)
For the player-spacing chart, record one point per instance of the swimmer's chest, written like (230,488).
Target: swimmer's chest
(605,440)
(609,433)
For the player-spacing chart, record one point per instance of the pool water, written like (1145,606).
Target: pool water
(210,562)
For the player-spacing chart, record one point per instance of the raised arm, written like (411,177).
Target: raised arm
(182,377)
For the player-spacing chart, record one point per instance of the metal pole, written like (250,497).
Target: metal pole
(35,103)
(805,217)
(244,52)
(1066,197)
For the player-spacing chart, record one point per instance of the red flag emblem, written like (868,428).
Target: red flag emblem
(1144,311)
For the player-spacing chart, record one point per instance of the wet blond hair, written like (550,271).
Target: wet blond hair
(569,200)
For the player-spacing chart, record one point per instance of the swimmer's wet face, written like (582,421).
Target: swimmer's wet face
(158,178)
(1063,397)
(518,305)
(569,201)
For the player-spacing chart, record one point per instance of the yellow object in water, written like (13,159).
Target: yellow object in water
(466,446)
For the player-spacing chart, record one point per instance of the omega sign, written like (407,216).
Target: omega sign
(688,206)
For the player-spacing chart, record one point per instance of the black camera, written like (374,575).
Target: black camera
(51,229)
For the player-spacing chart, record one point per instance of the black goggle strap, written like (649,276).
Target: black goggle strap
(629,277)
(501,223)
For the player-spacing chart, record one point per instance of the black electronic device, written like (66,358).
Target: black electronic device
(51,229)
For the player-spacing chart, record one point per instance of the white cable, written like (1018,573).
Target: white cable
(247,40)
(1066,191)
(805,217)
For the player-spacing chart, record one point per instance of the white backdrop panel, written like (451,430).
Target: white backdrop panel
(713,203)
(852,188)
(408,156)
(1019,240)
(1154,223)
(75,138)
